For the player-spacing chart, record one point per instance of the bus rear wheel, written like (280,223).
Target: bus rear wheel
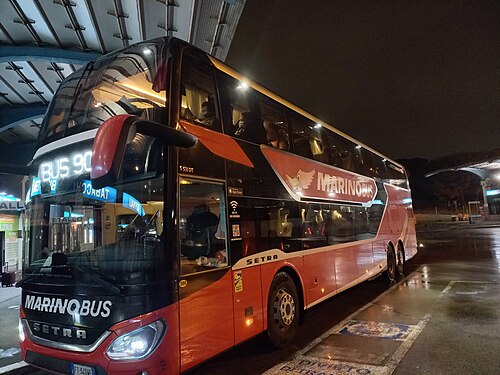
(400,261)
(282,310)
(391,264)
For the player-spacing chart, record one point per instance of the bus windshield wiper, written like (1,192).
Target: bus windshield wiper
(35,275)
(98,278)
(95,276)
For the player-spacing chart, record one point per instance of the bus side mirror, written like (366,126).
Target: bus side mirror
(112,138)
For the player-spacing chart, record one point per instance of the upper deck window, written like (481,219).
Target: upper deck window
(198,95)
(132,82)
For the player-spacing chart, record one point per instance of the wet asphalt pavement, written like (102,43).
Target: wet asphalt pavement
(443,318)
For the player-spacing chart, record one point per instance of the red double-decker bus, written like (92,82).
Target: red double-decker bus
(177,209)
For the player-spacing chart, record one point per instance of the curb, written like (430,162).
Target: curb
(18,368)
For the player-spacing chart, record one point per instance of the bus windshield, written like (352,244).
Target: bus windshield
(111,237)
(132,82)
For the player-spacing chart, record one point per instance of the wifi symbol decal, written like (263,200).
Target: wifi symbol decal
(234,205)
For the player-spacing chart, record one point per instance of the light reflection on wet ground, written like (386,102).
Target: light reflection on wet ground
(459,329)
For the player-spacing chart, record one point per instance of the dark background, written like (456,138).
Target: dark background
(408,78)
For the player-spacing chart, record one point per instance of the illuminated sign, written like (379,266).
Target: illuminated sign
(4,226)
(28,196)
(65,166)
(36,187)
(490,193)
(53,185)
(11,206)
(65,220)
(8,198)
(106,194)
(133,204)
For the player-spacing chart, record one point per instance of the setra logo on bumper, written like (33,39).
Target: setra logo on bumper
(57,331)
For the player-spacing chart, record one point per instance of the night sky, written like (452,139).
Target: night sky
(408,78)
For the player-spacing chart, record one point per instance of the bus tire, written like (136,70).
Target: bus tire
(282,310)
(400,261)
(391,264)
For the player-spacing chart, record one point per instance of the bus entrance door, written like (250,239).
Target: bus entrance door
(205,284)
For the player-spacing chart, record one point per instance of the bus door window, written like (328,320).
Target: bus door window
(198,94)
(202,226)
(239,110)
(308,139)
(274,121)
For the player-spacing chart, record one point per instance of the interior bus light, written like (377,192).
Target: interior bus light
(138,343)
(242,86)
(358,147)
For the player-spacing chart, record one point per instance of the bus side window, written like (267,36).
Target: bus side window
(373,164)
(239,109)
(308,139)
(274,121)
(396,175)
(198,94)
(341,152)
(264,225)
(342,224)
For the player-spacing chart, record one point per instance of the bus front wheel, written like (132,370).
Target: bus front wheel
(282,310)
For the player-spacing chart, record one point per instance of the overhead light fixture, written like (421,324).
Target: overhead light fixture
(242,86)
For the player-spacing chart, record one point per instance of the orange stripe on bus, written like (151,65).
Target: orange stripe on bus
(218,143)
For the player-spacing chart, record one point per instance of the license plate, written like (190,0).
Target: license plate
(77,369)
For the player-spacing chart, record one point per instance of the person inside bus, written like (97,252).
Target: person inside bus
(244,125)
(276,136)
(207,114)
(201,226)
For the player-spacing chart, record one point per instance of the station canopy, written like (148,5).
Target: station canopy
(42,42)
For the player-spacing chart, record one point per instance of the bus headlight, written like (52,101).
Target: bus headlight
(138,343)
(20,327)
